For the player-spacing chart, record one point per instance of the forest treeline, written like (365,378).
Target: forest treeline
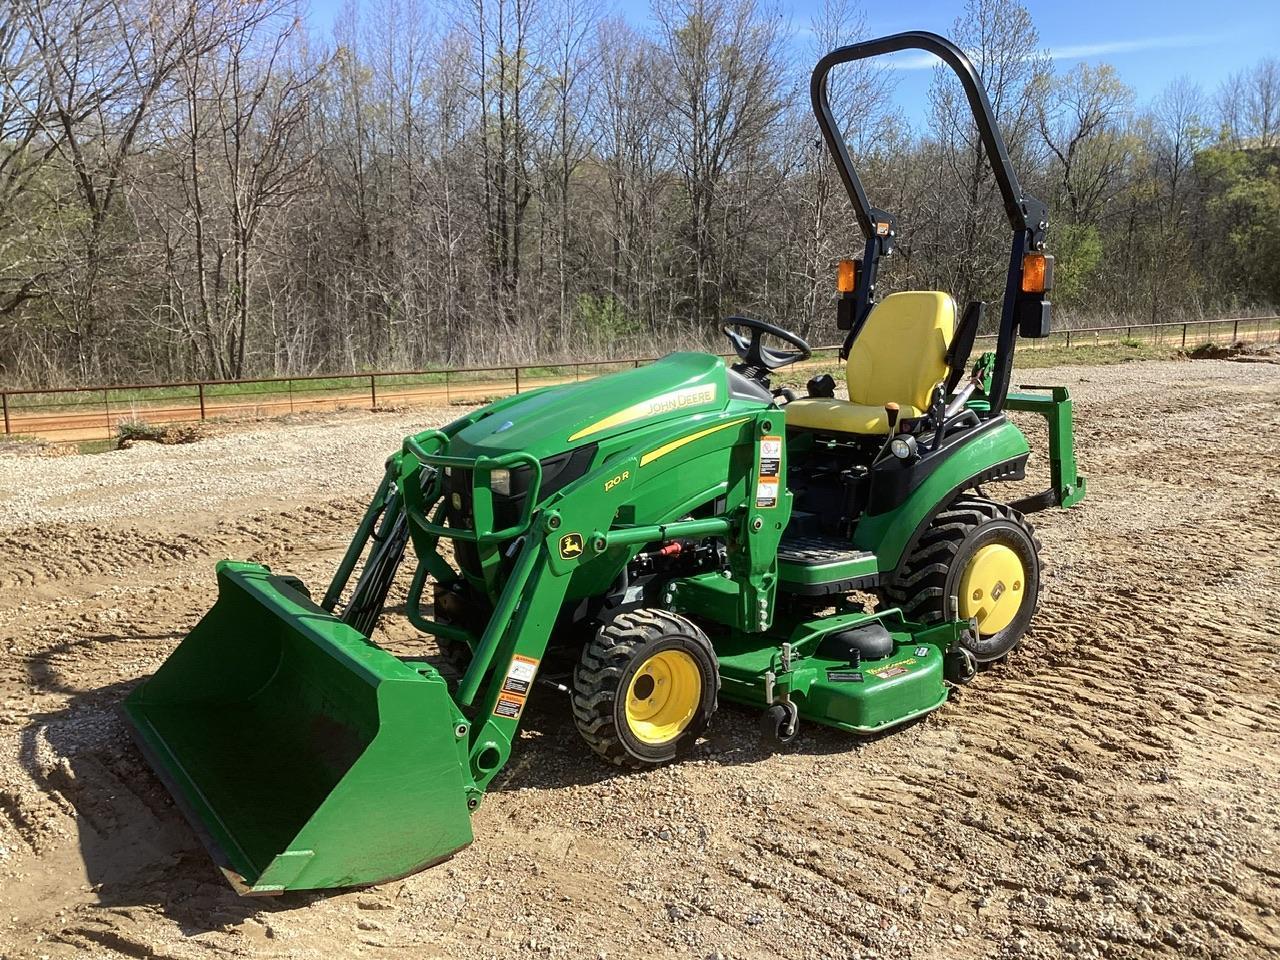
(208,188)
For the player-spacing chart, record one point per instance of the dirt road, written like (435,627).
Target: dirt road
(1108,792)
(92,419)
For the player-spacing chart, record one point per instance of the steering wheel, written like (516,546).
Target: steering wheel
(754,354)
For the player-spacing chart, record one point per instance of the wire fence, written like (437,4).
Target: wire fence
(95,413)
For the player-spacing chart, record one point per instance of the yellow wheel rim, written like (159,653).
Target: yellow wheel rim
(992,588)
(663,696)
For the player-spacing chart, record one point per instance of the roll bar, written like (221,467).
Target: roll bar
(1028,217)
(952,56)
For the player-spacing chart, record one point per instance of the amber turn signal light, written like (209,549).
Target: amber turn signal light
(847,276)
(1037,273)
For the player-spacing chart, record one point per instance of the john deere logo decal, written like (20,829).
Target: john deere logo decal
(570,546)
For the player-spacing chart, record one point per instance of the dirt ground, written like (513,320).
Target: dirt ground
(1109,791)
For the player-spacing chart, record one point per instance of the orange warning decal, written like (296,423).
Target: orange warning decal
(516,687)
(768,467)
(520,675)
(767,492)
(508,706)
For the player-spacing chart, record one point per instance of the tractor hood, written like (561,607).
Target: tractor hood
(556,419)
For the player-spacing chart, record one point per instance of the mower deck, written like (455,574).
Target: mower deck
(836,686)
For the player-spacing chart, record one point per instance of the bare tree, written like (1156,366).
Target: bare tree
(26,214)
(201,186)
(1178,125)
(501,35)
(861,95)
(1249,105)
(630,148)
(721,68)
(106,63)
(570,61)
(1081,120)
(1001,40)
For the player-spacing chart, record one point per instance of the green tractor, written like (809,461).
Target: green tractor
(649,543)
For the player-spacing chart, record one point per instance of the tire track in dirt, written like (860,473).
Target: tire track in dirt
(1082,721)
(1101,794)
(53,555)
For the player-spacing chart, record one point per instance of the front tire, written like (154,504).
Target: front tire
(987,556)
(645,687)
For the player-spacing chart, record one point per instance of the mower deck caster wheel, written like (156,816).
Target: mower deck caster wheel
(959,666)
(780,723)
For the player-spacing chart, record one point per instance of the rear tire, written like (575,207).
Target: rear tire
(645,687)
(987,556)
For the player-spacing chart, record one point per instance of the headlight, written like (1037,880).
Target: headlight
(904,448)
(500,482)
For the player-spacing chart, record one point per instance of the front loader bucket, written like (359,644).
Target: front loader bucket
(306,756)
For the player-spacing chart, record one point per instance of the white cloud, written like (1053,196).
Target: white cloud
(1079,51)
(1082,51)
(914,61)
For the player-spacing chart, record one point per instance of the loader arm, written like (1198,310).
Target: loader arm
(580,525)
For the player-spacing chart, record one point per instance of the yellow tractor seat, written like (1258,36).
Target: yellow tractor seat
(899,356)
(829,415)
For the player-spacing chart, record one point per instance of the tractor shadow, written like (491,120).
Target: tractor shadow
(551,755)
(135,847)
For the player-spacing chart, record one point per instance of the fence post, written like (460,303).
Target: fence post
(290,389)
(373,391)
(1068,336)
(200,390)
(106,410)
(4,401)
(446,388)
(1184,336)
(517,370)
(1235,330)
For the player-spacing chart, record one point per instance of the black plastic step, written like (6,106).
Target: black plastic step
(816,565)
(818,549)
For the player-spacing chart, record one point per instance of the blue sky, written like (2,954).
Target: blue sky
(1150,42)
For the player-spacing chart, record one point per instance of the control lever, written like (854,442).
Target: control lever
(891,411)
(938,409)
(961,396)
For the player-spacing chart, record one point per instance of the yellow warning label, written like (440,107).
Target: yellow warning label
(895,669)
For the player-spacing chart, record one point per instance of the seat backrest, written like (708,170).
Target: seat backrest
(900,353)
